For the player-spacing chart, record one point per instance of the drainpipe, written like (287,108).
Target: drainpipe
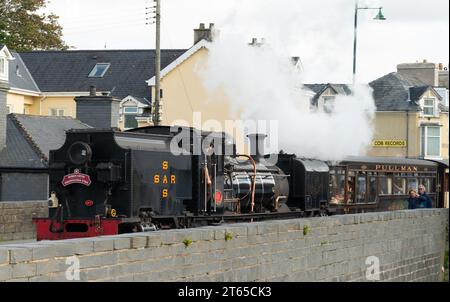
(40,104)
(407,133)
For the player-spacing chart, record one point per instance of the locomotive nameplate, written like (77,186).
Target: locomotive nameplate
(76,178)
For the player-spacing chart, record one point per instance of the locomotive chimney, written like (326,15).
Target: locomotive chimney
(98,111)
(257,145)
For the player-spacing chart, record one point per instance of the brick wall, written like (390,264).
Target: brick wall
(16,219)
(408,244)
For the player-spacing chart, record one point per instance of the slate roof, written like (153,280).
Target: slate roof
(143,101)
(415,93)
(318,89)
(18,152)
(67,71)
(394,91)
(29,139)
(19,76)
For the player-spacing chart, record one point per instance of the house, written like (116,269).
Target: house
(412,113)
(46,82)
(26,141)
(323,96)
(24,159)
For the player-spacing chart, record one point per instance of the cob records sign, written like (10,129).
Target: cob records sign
(389,144)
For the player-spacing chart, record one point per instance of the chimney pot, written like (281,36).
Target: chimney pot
(92,91)
(98,111)
(203,33)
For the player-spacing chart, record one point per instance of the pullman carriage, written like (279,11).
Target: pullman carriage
(368,184)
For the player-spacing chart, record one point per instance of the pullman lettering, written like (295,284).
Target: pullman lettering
(395,168)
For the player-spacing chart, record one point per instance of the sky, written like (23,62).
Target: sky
(320,32)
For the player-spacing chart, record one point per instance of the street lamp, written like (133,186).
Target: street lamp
(379,16)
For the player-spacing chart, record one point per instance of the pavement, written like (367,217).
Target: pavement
(17,241)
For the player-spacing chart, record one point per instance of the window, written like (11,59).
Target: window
(130,114)
(99,70)
(2,66)
(431,141)
(428,107)
(130,110)
(385,183)
(56,112)
(372,192)
(361,189)
(399,186)
(337,185)
(350,188)
(328,104)
(413,184)
(9,109)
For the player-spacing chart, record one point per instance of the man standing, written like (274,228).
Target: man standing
(424,199)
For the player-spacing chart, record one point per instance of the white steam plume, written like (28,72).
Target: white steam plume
(261,83)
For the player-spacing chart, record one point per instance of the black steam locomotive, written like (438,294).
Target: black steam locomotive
(105,182)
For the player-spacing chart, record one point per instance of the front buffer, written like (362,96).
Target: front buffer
(49,229)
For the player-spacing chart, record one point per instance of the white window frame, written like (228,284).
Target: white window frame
(59,112)
(3,68)
(134,108)
(433,107)
(424,142)
(9,108)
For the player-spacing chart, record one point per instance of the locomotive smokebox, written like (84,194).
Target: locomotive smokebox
(257,145)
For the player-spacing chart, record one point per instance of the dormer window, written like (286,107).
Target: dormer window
(99,70)
(428,107)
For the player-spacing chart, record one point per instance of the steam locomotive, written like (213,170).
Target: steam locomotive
(106,182)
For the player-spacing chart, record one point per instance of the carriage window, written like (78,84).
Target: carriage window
(361,187)
(413,184)
(350,189)
(337,186)
(428,183)
(386,185)
(372,189)
(399,186)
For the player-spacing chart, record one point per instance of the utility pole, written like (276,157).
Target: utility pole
(379,17)
(157,107)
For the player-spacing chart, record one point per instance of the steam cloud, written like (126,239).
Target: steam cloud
(262,84)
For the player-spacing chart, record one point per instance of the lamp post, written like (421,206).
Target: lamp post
(379,16)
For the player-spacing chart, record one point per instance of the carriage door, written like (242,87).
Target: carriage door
(361,187)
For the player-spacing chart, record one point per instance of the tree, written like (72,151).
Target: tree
(22,28)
